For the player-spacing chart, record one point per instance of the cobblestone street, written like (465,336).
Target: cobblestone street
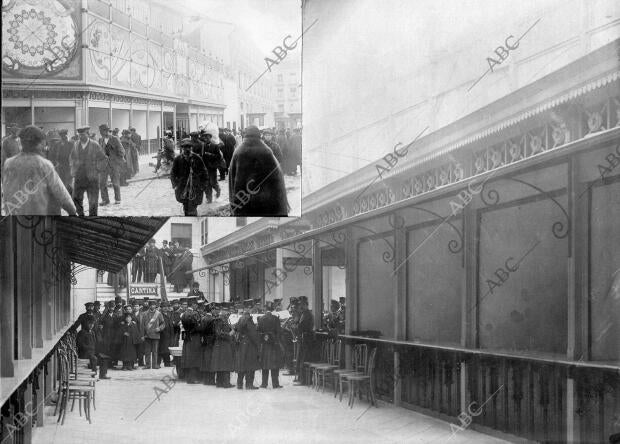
(130,410)
(149,195)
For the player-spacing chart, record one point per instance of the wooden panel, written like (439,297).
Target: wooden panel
(434,286)
(375,287)
(524,309)
(24,292)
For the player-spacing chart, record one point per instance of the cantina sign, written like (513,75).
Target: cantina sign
(143,290)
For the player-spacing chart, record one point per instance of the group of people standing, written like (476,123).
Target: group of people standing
(44,173)
(255,169)
(176,261)
(136,333)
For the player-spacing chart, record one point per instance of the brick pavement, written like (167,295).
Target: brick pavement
(205,414)
(148,195)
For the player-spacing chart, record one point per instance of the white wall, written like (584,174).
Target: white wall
(84,291)
(55,118)
(120,120)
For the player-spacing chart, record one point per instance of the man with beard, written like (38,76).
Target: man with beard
(166,338)
(59,156)
(270,348)
(115,153)
(90,312)
(256,182)
(212,158)
(87,160)
(188,177)
(151,262)
(247,351)
(271,143)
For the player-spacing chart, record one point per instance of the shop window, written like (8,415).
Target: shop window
(182,233)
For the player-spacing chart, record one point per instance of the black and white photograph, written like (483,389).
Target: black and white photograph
(151,108)
(445,269)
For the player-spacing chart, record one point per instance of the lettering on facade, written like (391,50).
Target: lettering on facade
(143,290)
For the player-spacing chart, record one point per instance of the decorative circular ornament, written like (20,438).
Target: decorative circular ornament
(40,37)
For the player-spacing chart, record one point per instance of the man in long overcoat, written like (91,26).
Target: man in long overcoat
(59,156)
(255,179)
(207,339)
(189,178)
(166,339)
(270,348)
(87,161)
(192,352)
(222,356)
(114,151)
(247,351)
(151,261)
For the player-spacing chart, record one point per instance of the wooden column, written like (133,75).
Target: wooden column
(38,252)
(317,281)
(24,291)
(7,292)
(400,298)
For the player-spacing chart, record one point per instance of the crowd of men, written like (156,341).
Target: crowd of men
(176,261)
(44,173)
(255,166)
(141,333)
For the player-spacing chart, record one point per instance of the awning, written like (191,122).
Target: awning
(106,243)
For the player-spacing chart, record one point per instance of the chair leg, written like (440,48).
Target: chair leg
(94,405)
(372,393)
(340,383)
(335,384)
(64,408)
(72,396)
(351,393)
(59,405)
(80,398)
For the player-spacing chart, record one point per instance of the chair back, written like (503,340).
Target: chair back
(360,354)
(324,351)
(337,353)
(370,367)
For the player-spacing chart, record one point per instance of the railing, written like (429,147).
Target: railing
(530,396)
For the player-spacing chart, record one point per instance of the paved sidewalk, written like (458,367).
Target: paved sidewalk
(205,414)
(150,195)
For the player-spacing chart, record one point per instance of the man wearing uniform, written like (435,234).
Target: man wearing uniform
(247,352)
(305,332)
(270,348)
(87,160)
(222,357)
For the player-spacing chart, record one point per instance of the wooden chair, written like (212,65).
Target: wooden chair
(81,390)
(360,353)
(358,380)
(308,366)
(321,370)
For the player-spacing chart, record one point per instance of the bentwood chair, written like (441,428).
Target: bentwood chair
(72,389)
(321,370)
(358,380)
(308,365)
(359,361)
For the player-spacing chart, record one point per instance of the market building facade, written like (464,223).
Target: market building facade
(484,266)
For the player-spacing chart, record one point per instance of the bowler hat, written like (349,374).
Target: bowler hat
(104,127)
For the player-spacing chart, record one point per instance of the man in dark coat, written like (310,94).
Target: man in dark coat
(192,352)
(175,316)
(89,313)
(273,145)
(270,348)
(166,338)
(87,161)
(188,177)
(195,292)
(137,266)
(229,148)
(108,328)
(59,156)
(136,139)
(207,339)
(256,182)
(114,151)
(305,333)
(183,259)
(131,154)
(167,258)
(87,347)
(196,143)
(282,141)
(212,158)
(247,351)
(222,356)
(151,261)
(11,145)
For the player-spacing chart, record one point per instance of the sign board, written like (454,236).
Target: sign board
(137,291)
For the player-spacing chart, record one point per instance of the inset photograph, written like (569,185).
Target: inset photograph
(151,108)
